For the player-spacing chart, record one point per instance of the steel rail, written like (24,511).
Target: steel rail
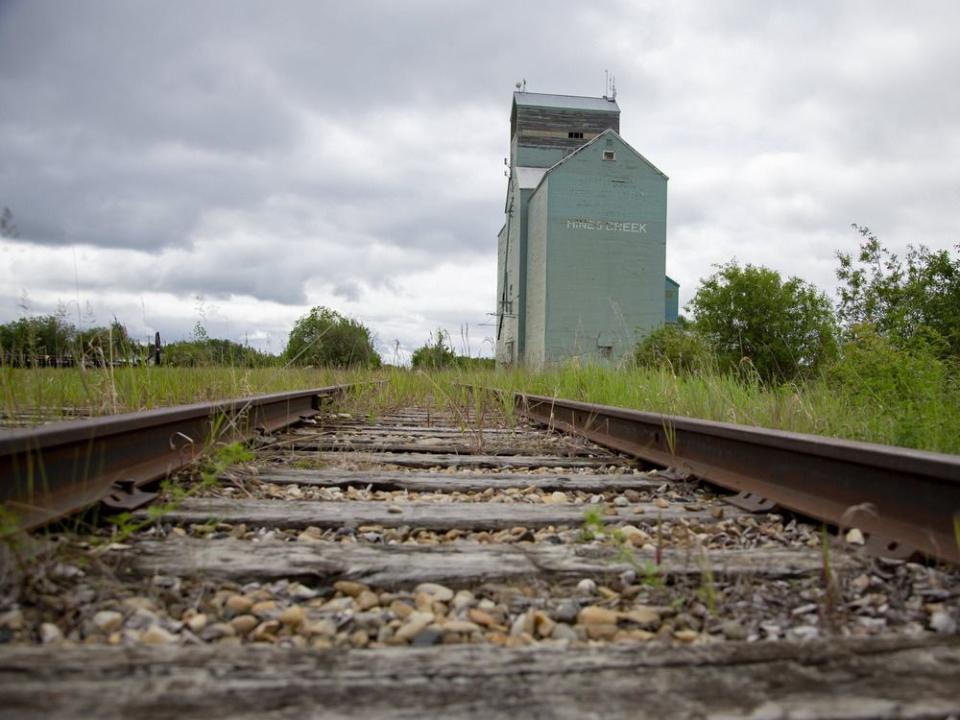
(49,472)
(905,501)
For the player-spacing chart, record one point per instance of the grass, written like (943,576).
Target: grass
(174,491)
(594,528)
(65,392)
(924,419)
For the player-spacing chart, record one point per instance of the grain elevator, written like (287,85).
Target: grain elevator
(582,252)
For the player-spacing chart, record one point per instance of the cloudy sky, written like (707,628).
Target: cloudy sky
(239,162)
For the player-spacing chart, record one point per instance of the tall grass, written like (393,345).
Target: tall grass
(923,416)
(102,391)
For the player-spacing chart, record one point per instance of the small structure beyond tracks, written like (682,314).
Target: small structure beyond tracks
(457,561)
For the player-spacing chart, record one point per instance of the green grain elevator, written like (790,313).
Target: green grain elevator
(582,253)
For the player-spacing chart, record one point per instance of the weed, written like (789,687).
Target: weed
(593,525)
(670,435)
(831,606)
(659,552)
(174,491)
(308,463)
(594,528)
(708,589)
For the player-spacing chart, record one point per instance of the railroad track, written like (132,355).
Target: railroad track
(451,561)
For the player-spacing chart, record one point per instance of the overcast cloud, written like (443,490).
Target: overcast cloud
(239,162)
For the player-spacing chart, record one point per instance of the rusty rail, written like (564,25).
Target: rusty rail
(52,471)
(905,501)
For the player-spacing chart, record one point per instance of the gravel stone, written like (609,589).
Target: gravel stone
(855,537)
(601,631)
(460,626)
(239,604)
(596,615)
(264,608)
(197,622)
(942,623)
(142,619)
(50,633)
(12,619)
(267,631)
(482,617)
(645,617)
(416,622)
(366,600)
(325,628)
(463,599)
(243,624)
(293,615)
(156,635)
(299,591)
(586,586)
(803,632)
(732,630)
(427,636)
(349,587)
(108,621)
(562,631)
(566,611)
(436,592)
(217,631)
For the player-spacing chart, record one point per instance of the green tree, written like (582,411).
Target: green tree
(30,338)
(324,337)
(106,343)
(52,339)
(436,353)
(913,300)
(784,329)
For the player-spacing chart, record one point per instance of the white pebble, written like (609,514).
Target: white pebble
(942,623)
(855,537)
(50,633)
(108,621)
(586,586)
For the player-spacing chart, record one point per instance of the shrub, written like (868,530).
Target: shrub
(434,354)
(325,338)
(676,348)
(911,391)
(213,352)
(783,329)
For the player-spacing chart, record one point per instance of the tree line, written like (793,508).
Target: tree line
(895,317)
(321,338)
(52,341)
(901,313)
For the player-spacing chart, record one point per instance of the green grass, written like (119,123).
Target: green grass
(107,391)
(173,491)
(922,416)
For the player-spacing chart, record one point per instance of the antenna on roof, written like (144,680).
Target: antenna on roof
(609,86)
(522,85)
